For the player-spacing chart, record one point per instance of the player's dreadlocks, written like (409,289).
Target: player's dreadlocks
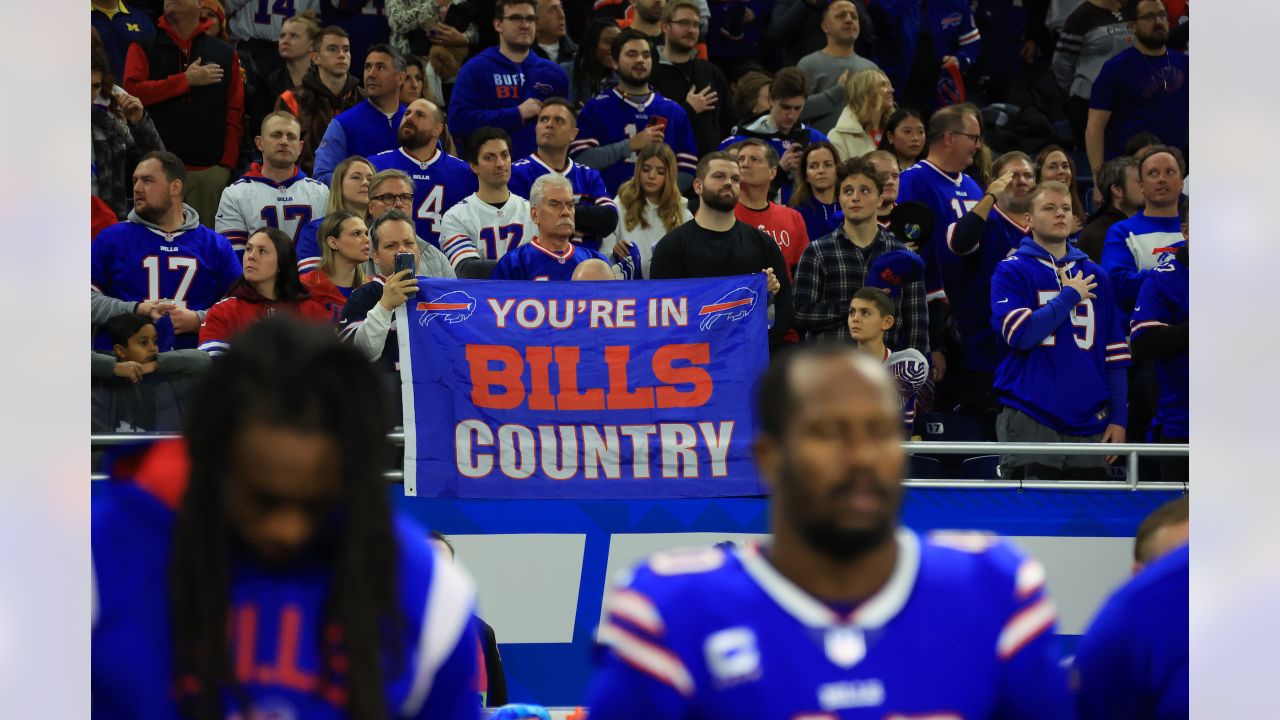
(282,373)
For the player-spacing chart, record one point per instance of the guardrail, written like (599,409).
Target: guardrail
(1131,451)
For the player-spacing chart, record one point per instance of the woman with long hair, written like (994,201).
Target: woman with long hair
(814,196)
(269,285)
(751,96)
(344,249)
(593,69)
(868,104)
(349,190)
(904,136)
(650,204)
(1053,163)
(121,133)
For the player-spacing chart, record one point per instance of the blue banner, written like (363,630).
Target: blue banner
(582,390)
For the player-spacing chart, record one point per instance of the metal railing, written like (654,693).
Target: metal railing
(1131,451)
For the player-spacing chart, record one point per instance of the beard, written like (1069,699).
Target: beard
(412,138)
(151,213)
(632,78)
(716,201)
(822,532)
(1154,39)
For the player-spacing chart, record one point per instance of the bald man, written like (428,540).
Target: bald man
(593,269)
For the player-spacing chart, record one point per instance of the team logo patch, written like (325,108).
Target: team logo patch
(733,306)
(451,307)
(845,646)
(732,655)
(952,20)
(912,231)
(543,88)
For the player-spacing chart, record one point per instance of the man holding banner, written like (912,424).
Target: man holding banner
(716,244)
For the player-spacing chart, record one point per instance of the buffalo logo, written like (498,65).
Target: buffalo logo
(952,20)
(735,305)
(544,89)
(451,307)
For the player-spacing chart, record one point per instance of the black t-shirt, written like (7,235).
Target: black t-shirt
(692,251)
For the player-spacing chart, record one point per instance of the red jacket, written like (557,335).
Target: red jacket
(244,305)
(138,82)
(324,291)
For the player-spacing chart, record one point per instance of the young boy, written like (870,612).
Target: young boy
(133,340)
(870,317)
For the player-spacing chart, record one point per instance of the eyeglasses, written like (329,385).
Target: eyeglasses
(688,24)
(392,199)
(1148,17)
(522,19)
(975,137)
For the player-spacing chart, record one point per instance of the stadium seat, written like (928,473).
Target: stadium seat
(949,427)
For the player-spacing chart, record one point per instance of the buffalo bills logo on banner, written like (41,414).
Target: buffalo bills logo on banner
(582,390)
(451,307)
(952,20)
(733,306)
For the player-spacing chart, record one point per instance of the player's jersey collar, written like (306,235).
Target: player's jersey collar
(560,257)
(957,179)
(1024,229)
(875,612)
(421,165)
(568,168)
(639,106)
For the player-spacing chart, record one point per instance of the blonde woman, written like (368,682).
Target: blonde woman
(344,249)
(869,102)
(650,206)
(349,190)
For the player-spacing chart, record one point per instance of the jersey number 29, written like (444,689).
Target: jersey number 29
(1082,321)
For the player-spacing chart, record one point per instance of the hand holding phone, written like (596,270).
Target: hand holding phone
(404,261)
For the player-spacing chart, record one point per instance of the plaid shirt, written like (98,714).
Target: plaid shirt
(831,270)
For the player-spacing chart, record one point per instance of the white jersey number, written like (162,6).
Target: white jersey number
(187,265)
(1082,320)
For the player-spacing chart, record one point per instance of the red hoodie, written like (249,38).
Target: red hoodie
(242,307)
(138,82)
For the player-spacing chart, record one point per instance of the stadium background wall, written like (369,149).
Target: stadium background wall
(541,565)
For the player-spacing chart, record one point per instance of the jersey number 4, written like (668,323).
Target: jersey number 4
(1082,320)
(283,8)
(187,265)
(431,206)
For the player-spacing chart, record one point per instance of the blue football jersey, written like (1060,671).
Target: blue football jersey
(967,281)
(134,262)
(609,118)
(532,261)
(1060,377)
(948,197)
(276,624)
(438,184)
(1163,301)
(1134,661)
(588,186)
(962,629)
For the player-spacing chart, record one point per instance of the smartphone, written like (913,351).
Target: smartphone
(404,261)
(658,121)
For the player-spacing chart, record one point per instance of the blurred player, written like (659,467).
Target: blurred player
(841,614)
(258,571)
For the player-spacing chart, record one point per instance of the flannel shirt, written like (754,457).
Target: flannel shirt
(832,269)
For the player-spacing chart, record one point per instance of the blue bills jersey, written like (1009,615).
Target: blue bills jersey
(1163,301)
(610,117)
(1061,347)
(438,184)
(284,654)
(532,261)
(962,628)
(588,186)
(948,197)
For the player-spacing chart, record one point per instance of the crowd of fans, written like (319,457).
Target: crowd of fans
(1010,176)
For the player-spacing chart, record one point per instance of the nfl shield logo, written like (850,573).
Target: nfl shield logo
(845,646)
